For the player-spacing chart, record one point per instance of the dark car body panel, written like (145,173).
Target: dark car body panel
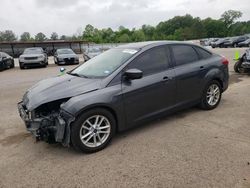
(6,61)
(234,41)
(245,43)
(130,101)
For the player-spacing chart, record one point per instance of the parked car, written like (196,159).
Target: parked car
(219,43)
(6,61)
(121,88)
(245,43)
(211,40)
(207,42)
(33,57)
(65,56)
(234,41)
(92,52)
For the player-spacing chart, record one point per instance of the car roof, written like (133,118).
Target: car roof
(139,45)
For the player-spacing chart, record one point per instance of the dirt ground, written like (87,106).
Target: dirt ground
(192,148)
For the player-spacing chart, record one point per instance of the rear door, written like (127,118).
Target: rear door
(190,69)
(155,92)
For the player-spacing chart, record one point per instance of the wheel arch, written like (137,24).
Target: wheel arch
(103,106)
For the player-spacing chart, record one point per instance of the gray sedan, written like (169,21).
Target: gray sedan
(65,56)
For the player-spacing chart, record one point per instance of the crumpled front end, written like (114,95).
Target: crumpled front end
(47,122)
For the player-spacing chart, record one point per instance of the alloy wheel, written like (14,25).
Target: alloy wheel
(95,131)
(213,95)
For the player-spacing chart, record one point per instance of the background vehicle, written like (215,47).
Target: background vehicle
(219,43)
(245,43)
(234,41)
(121,88)
(243,64)
(33,57)
(92,52)
(207,42)
(6,61)
(65,56)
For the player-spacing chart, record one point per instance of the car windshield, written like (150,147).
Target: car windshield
(65,51)
(32,51)
(104,64)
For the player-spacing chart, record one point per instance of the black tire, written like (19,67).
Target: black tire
(21,66)
(237,67)
(12,65)
(204,104)
(77,125)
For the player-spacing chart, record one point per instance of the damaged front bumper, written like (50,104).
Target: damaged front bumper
(54,128)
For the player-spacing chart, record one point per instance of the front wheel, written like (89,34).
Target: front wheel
(93,130)
(211,95)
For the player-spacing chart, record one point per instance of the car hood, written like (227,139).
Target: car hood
(60,87)
(30,55)
(67,56)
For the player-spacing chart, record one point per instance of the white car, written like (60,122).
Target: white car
(33,57)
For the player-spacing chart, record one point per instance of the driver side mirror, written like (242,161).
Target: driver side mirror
(132,74)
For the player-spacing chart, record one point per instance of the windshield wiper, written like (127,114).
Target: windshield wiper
(78,75)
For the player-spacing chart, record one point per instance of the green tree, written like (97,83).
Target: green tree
(25,37)
(214,28)
(54,36)
(7,36)
(138,35)
(88,32)
(63,37)
(40,37)
(230,16)
(124,38)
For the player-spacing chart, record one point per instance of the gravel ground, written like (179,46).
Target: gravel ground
(192,148)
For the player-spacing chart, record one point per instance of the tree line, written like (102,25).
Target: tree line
(184,27)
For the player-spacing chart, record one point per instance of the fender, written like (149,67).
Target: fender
(78,104)
(213,74)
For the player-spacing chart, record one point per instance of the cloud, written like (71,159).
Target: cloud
(66,16)
(56,3)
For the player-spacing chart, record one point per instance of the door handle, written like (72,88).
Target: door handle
(202,67)
(165,79)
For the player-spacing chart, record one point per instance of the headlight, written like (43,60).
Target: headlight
(40,56)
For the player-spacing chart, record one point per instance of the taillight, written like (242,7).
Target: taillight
(225,61)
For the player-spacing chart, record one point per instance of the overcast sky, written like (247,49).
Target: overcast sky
(70,16)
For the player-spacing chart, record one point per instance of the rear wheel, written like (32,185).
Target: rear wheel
(211,95)
(93,130)
(238,68)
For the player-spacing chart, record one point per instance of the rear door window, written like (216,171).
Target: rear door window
(184,54)
(203,53)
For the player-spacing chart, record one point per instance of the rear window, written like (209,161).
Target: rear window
(184,54)
(203,53)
